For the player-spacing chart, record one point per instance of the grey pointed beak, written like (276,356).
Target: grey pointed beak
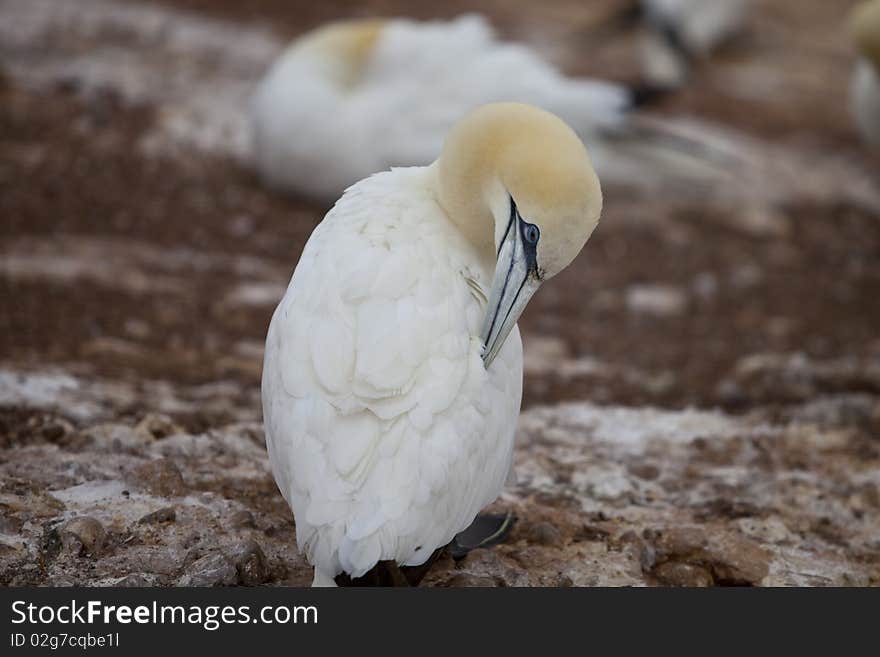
(515,281)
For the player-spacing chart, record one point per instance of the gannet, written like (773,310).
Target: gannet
(393,365)
(679,31)
(865,85)
(356,97)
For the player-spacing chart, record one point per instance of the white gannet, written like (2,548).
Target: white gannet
(352,98)
(679,31)
(393,366)
(865,86)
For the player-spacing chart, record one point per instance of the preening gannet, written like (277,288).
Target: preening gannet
(865,86)
(354,98)
(393,364)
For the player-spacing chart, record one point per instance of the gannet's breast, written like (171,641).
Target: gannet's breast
(865,100)
(317,130)
(385,432)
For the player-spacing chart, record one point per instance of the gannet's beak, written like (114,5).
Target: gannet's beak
(516,279)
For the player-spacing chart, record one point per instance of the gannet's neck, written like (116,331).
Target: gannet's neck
(466,175)
(466,208)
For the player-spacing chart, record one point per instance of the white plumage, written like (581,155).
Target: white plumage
(385,432)
(390,394)
(355,98)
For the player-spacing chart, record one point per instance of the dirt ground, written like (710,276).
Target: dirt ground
(702,389)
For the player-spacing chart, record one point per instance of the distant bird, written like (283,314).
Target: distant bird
(682,31)
(393,366)
(353,98)
(676,33)
(865,86)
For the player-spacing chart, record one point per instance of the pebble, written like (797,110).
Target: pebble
(135,580)
(165,514)
(159,477)
(83,535)
(250,563)
(242,519)
(241,563)
(544,533)
(157,426)
(212,570)
(676,573)
(730,557)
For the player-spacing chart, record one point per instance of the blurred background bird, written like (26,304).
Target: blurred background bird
(680,32)
(352,98)
(393,366)
(676,34)
(865,86)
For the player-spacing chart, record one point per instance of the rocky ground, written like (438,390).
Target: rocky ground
(702,402)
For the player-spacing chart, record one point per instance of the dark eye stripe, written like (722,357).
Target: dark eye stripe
(513,215)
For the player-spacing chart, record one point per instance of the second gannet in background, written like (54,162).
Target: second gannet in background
(393,367)
(353,98)
(679,31)
(865,86)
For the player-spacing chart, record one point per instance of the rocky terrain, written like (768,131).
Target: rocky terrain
(702,393)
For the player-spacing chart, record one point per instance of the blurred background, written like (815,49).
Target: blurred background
(711,366)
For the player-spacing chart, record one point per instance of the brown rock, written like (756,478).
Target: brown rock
(463,580)
(159,477)
(250,563)
(544,533)
(212,570)
(55,431)
(564,581)
(157,426)
(730,557)
(678,541)
(639,549)
(676,573)
(83,535)
(8,523)
(591,533)
(165,514)
(134,580)
(736,559)
(646,471)
(242,519)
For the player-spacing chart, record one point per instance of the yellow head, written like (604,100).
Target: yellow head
(345,45)
(864,22)
(519,184)
(511,152)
